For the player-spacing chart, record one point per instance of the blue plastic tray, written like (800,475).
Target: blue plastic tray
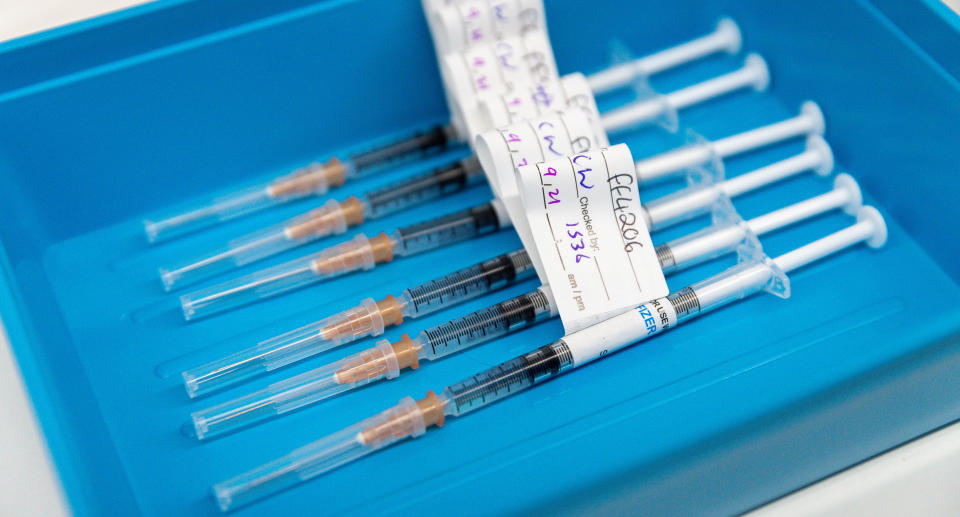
(110,119)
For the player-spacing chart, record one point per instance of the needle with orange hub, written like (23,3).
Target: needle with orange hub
(358,253)
(370,318)
(387,360)
(334,217)
(314,179)
(412,418)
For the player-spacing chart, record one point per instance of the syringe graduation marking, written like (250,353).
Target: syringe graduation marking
(495,320)
(505,378)
(487,275)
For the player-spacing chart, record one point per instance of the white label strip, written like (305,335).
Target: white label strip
(585,219)
(514,152)
(620,331)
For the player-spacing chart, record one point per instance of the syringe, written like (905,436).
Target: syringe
(370,318)
(364,253)
(358,253)
(387,360)
(753,74)
(726,38)
(690,202)
(808,122)
(314,179)
(317,178)
(410,418)
(334,217)
(660,213)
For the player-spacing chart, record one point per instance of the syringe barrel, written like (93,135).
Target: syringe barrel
(401,421)
(423,188)
(721,289)
(488,323)
(698,247)
(754,74)
(402,151)
(506,379)
(344,327)
(466,283)
(446,230)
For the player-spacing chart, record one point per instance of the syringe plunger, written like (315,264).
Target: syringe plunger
(754,74)
(726,38)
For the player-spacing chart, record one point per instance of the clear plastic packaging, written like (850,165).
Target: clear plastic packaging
(445,230)
(485,324)
(423,188)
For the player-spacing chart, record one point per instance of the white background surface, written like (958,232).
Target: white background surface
(920,478)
